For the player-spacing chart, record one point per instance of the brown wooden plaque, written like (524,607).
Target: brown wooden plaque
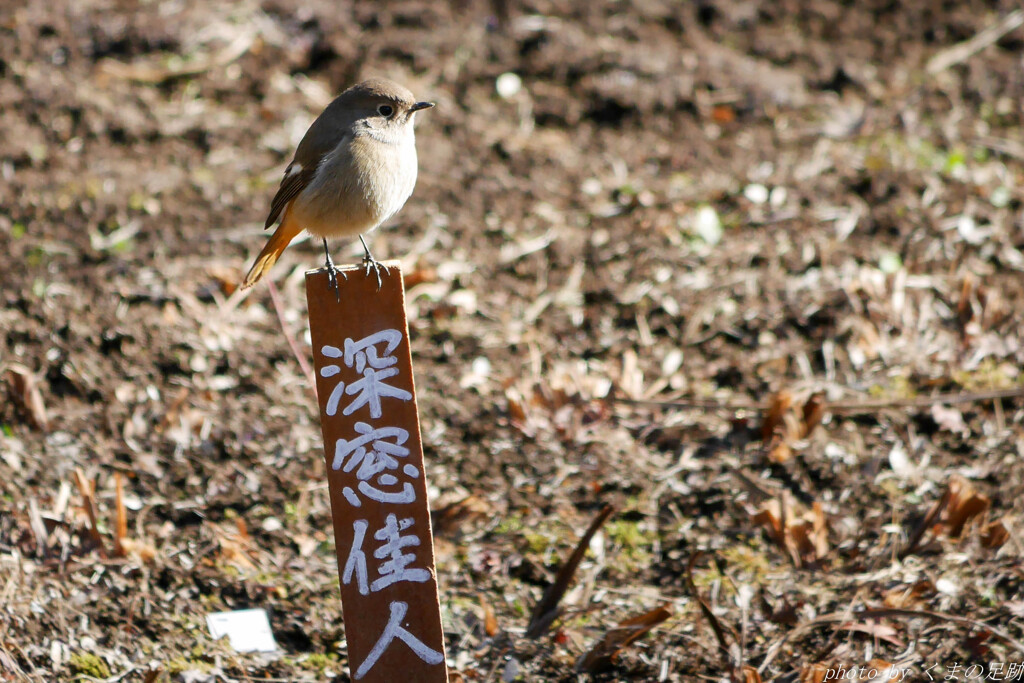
(375,471)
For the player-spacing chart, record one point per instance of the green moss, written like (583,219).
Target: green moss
(899,387)
(537,542)
(990,374)
(318,661)
(511,524)
(749,560)
(633,542)
(88,664)
(179,665)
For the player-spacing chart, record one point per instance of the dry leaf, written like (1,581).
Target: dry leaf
(607,650)
(880,670)
(813,412)
(777,409)
(803,536)
(466,511)
(24,390)
(964,504)
(140,550)
(419,276)
(875,629)
(747,674)
(908,597)
(814,673)
(235,548)
(780,451)
(995,534)
(490,621)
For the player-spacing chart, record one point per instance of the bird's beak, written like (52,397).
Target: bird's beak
(421,105)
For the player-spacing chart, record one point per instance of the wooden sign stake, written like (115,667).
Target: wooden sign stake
(376,478)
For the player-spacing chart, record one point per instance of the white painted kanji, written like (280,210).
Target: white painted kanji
(392,631)
(356,562)
(396,567)
(373,456)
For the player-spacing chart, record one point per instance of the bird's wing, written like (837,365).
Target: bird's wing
(296,178)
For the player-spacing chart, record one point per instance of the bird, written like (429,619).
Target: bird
(354,169)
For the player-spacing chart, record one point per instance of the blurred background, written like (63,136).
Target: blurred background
(803,217)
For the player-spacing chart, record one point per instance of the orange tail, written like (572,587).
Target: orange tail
(284,234)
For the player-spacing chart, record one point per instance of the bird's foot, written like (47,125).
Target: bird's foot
(376,266)
(332,277)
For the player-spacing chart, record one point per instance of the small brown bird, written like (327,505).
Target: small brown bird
(354,169)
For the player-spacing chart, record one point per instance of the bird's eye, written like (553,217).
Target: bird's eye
(385,110)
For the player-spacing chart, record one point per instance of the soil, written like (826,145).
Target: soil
(733,204)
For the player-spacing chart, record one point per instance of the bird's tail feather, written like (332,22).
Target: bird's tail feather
(284,234)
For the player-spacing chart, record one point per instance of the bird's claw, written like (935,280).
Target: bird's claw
(376,266)
(332,277)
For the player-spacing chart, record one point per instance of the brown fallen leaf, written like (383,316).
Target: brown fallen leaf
(235,548)
(814,673)
(880,670)
(964,504)
(141,550)
(787,421)
(803,536)
(746,674)
(490,621)
(24,391)
(908,597)
(607,650)
(995,534)
(460,513)
(779,451)
(812,413)
(419,276)
(875,629)
(780,404)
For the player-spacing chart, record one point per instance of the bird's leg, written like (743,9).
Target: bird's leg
(332,272)
(373,263)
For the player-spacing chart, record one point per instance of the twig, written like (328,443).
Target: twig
(35,522)
(837,617)
(151,73)
(705,609)
(1010,148)
(88,491)
(547,609)
(845,407)
(120,517)
(963,51)
(275,297)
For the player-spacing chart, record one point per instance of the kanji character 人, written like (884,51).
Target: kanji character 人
(394,630)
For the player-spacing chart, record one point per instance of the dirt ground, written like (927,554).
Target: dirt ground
(803,219)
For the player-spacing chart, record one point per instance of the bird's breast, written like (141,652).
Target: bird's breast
(358,185)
